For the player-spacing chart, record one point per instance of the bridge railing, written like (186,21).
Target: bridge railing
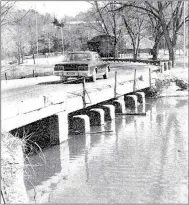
(152,62)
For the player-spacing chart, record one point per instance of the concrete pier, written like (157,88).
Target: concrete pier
(52,127)
(96,116)
(88,141)
(119,105)
(109,112)
(131,102)
(63,126)
(80,123)
(141,99)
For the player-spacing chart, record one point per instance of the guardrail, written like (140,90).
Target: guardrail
(85,93)
(153,62)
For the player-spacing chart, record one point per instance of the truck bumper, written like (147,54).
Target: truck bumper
(72,74)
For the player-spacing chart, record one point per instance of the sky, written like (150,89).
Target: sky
(57,8)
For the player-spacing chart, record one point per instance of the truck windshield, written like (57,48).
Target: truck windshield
(78,57)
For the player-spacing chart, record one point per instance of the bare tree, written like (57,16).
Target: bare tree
(171,26)
(156,34)
(134,23)
(109,20)
(6,7)
(7,13)
(170,17)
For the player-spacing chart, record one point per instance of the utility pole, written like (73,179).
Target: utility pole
(184,33)
(36,29)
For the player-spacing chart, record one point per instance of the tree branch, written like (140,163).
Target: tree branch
(101,17)
(138,7)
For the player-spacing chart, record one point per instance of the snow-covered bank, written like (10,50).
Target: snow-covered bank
(13,190)
(171,83)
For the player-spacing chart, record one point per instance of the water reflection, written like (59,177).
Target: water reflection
(42,167)
(144,160)
(64,159)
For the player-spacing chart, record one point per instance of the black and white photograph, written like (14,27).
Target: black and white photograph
(94,102)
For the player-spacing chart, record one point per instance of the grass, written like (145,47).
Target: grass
(13,162)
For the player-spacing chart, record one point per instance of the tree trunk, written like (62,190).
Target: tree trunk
(22,56)
(33,58)
(20,51)
(114,51)
(135,51)
(155,52)
(137,47)
(18,55)
(134,54)
(171,48)
(170,43)
(172,55)
(18,58)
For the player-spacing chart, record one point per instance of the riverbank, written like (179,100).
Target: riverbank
(13,189)
(172,83)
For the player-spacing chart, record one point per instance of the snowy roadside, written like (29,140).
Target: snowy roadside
(172,83)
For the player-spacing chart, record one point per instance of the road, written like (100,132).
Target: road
(125,72)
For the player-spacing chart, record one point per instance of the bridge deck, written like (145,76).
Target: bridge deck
(23,108)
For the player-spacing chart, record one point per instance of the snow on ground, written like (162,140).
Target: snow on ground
(38,61)
(44,61)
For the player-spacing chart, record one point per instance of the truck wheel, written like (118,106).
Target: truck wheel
(94,76)
(106,75)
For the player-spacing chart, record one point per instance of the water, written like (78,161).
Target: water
(144,160)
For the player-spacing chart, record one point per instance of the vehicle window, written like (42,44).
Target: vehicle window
(78,57)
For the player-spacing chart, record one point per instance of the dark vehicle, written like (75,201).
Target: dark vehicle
(103,45)
(82,64)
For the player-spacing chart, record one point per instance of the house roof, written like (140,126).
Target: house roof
(101,37)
